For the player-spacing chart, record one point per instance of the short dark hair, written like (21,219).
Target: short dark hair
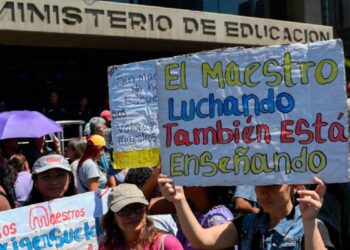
(138,176)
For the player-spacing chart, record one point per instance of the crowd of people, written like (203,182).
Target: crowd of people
(146,210)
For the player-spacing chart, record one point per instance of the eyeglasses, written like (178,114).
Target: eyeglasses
(136,208)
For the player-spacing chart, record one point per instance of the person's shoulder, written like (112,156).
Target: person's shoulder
(217,215)
(74,164)
(88,163)
(170,242)
(249,220)
(221,210)
(23,177)
(2,191)
(89,167)
(4,203)
(164,222)
(25,173)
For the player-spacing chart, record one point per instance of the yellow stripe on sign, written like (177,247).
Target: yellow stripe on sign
(137,158)
(347,62)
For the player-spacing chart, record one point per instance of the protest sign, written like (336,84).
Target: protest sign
(259,116)
(134,107)
(58,224)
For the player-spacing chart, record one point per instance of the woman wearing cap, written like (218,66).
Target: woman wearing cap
(89,175)
(127,226)
(52,179)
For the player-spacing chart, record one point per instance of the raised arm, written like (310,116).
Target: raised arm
(310,204)
(221,236)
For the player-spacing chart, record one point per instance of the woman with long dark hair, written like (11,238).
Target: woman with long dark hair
(89,175)
(7,193)
(127,226)
(52,179)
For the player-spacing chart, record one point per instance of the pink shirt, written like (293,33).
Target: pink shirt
(170,243)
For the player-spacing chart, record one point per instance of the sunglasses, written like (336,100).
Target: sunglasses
(136,208)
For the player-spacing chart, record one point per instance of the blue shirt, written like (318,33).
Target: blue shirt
(287,234)
(103,163)
(247,193)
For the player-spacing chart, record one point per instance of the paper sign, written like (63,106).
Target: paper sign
(134,106)
(58,224)
(259,116)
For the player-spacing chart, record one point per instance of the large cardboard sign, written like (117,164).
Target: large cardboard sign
(134,106)
(58,224)
(254,117)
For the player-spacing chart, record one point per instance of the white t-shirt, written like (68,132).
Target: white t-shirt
(89,170)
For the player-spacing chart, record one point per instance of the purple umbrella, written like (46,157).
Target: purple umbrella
(26,124)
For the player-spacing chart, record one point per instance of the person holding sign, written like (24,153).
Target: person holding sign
(52,179)
(127,226)
(280,225)
(210,205)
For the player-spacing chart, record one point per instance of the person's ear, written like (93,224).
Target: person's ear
(25,166)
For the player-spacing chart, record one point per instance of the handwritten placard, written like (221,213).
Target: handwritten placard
(58,224)
(134,106)
(255,117)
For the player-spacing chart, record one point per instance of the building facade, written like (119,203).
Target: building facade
(66,45)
